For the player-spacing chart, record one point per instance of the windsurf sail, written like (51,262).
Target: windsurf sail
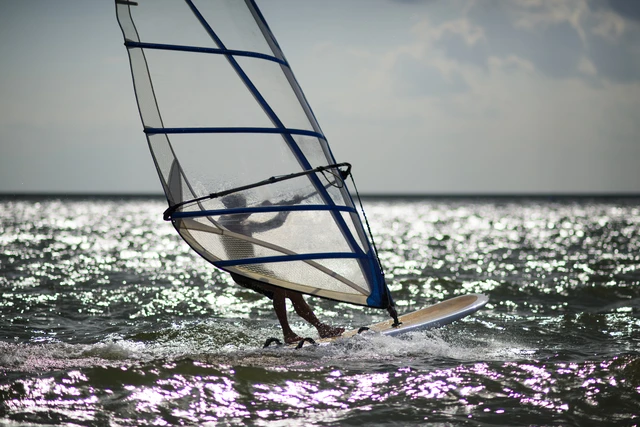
(250,179)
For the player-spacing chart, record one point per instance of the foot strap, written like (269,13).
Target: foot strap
(270,341)
(304,340)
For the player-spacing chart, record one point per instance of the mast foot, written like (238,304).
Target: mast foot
(394,314)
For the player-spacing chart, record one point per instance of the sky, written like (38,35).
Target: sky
(422,97)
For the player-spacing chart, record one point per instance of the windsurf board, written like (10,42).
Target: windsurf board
(433,316)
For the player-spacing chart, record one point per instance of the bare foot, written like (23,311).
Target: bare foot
(327,331)
(291,338)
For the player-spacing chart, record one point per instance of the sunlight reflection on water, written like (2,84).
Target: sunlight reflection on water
(109,318)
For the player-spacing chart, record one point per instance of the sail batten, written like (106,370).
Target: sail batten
(201,213)
(222,111)
(198,49)
(282,131)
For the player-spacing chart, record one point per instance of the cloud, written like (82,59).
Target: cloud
(414,77)
(546,33)
(537,14)
(460,28)
(614,46)
(624,8)
(563,39)
(608,25)
(486,102)
(448,96)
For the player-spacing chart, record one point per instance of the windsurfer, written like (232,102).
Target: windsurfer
(239,223)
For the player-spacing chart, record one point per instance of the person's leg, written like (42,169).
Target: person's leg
(306,312)
(280,307)
(302,308)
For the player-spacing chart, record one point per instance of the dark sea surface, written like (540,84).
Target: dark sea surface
(107,318)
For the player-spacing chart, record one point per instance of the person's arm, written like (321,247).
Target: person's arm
(277,220)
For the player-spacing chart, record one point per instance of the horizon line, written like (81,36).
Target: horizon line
(460,195)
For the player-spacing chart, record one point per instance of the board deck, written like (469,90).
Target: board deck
(433,316)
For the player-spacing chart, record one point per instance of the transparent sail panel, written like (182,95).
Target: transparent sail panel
(189,88)
(250,179)
(234,24)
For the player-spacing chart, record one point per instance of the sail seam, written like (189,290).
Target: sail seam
(197,49)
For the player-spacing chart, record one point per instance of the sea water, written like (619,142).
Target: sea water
(108,319)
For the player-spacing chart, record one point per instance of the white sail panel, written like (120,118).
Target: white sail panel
(249,177)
